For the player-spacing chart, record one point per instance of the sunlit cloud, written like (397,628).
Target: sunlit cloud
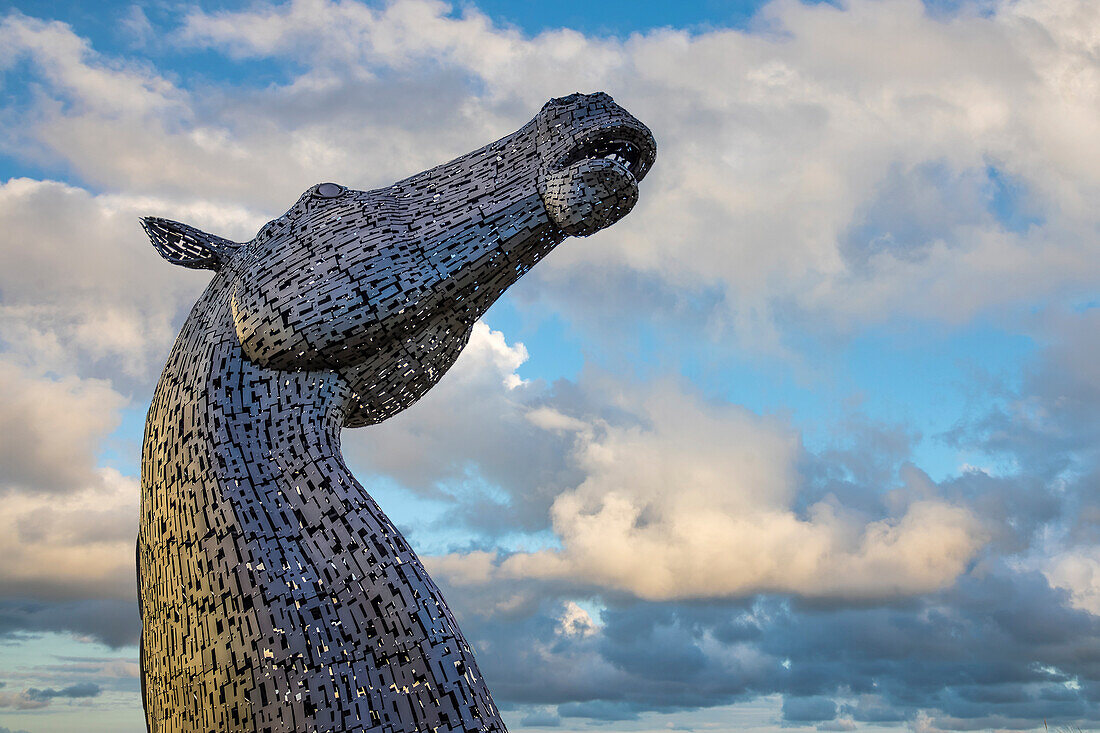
(626,539)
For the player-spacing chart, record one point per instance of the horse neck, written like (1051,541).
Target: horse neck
(235,431)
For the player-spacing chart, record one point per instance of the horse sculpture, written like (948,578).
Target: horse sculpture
(274,593)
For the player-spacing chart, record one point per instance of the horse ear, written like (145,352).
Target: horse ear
(187,246)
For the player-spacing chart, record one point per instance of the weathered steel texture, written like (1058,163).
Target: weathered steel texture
(275,595)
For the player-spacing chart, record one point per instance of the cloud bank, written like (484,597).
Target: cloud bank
(619,544)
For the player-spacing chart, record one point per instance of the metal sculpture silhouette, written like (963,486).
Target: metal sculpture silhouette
(274,593)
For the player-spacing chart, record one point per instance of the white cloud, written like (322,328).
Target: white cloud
(765,165)
(575,621)
(660,494)
(81,546)
(776,146)
(68,527)
(547,418)
(52,429)
(137,26)
(468,418)
(469,442)
(1077,571)
(81,282)
(696,500)
(69,64)
(773,143)
(830,165)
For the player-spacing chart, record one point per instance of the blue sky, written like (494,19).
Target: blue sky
(856,301)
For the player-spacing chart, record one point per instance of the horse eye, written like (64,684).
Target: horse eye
(329,190)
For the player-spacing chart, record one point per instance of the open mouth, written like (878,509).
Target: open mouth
(595,182)
(611,147)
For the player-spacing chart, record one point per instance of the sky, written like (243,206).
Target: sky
(807,441)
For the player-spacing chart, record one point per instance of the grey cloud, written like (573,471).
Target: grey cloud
(598,710)
(873,708)
(79,690)
(914,209)
(541,718)
(34,698)
(865,460)
(808,709)
(112,622)
(777,192)
(1048,429)
(1017,506)
(1004,647)
(1001,648)
(634,648)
